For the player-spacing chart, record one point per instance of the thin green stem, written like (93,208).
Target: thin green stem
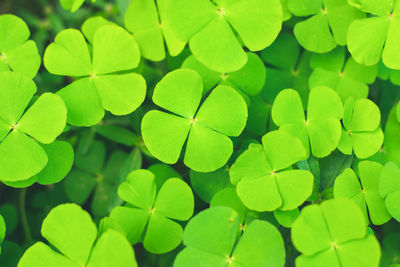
(24,220)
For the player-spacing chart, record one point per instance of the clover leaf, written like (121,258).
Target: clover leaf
(210,240)
(362,132)
(327,25)
(364,191)
(73,233)
(377,36)
(334,233)
(345,76)
(287,67)
(223,113)
(21,131)
(99,86)
(92,177)
(208,27)
(149,216)
(249,80)
(146,20)
(72,5)
(260,175)
(16,52)
(321,130)
(389,188)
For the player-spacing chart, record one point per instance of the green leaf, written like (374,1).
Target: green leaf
(14,32)
(83,103)
(60,159)
(45,119)
(71,230)
(179,92)
(139,189)
(121,94)
(20,148)
(114,49)
(24,59)
(17,90)
(92,24)
(71,5)
(169,205)
(68,55)
(112,248)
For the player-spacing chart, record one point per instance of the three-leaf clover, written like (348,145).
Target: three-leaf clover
(364,191)
(377,36)
(210,239)
(322,129)
(362,132)
(148,216)
(99,86)
(209,25)
(223,113)
(22,132)
(249,80)
(73,233)
(16,52)
(389,188)
(146,20)
(334,233)
(327,25)
(346,77)
(260,175)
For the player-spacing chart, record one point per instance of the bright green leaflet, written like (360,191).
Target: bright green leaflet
(249,80)
(364,191)
(99,86)
(327,26)
(101,180)
(334,233)
(378,36)
(73,233)
(210,241)
(222,114)
(286,218)
(142,18)
(287,67)
(208,27)
(207,184)
(16,52)
(362,132)
(150,215)
(348,78)
(389,188)
(322,129)
(72,5)
(260,175)
(21,132)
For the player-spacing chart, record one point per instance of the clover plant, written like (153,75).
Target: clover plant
(72,232)
(260,175)
(99,87)
(372,38)
(210,238)
(200,133)
(208,27)
(149,216)
(321,130)
(17,53)
(206,129)
(364,190)
(334,234)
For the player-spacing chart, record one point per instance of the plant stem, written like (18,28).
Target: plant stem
(24,221)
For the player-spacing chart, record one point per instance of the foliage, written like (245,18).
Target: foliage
(199,133)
